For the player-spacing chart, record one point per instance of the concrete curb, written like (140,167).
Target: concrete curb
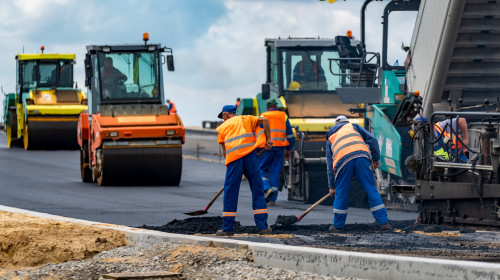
(320,261)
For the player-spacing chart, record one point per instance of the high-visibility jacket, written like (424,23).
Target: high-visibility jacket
(172,109)
(239,137)
(277,122)
(346,141)
(447,136)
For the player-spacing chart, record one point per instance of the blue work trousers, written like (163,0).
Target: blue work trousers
(362,170)
(249,166)
(270,163)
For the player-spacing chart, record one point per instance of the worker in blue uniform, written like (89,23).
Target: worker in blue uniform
(237,137)
(349,150)
(271,161)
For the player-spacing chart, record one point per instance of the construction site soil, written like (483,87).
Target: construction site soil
(473,244)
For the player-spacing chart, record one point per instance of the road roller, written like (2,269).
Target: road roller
(43,112)
(128,136)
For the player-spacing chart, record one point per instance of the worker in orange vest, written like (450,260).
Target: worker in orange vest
(271,162)
(238,140)
(349,150)
(447,145)
(171,107)
(238,102)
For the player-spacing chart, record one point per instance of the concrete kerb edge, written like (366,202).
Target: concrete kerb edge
(321,261)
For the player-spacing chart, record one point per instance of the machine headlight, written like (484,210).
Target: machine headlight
(113,134)
(170,132)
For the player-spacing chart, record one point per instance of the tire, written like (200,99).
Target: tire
(85,171)
(26,137)
(100,180)
(8,132)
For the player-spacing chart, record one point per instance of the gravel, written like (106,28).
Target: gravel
(193,261)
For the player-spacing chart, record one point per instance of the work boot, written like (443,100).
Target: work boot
(265,231)
(268,194)
(220,232)
(385,227)
(333,229)
(271,203)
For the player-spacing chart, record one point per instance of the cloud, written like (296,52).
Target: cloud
(230,57)
(218,45)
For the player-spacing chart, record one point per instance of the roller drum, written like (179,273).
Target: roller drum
(140,166)
(50,135)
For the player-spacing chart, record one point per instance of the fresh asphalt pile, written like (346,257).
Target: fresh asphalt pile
(451,243)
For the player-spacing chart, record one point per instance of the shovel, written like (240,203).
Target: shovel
(203,212)
(290,220)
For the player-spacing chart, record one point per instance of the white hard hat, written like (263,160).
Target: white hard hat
(341,119)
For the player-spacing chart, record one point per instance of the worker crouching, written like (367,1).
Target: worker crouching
(237,136)
(271,161)
(349,150)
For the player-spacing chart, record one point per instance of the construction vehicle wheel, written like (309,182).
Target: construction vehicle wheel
(93,170)
(100,181)
(85,171)
(8,132)
(26,137)
(316,184)
(150,166)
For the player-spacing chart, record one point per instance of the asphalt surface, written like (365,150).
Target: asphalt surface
(49,182)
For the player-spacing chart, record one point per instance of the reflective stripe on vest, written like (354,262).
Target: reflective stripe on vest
(345,141)
(277,122)
(238,140)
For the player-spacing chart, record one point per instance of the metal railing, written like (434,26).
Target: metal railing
(363,62)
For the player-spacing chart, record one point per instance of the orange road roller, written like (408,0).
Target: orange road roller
(128,136)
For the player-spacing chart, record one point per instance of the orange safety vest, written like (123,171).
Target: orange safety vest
(345,141)
(277,122)
(239,137)
(172,109)
(447,136)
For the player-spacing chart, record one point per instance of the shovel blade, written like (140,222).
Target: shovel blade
(286,220)
(196,213)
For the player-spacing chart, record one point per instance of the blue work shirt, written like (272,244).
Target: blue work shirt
(289,134)
(367,137)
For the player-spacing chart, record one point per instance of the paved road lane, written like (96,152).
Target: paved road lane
(49,181)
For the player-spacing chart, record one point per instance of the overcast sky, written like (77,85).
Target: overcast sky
(218,44)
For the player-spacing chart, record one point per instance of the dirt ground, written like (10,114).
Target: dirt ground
(27,241)
(34,248)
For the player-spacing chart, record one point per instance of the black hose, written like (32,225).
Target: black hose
(452,174)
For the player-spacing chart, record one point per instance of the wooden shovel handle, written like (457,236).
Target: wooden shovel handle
(260,153)
(214,198)
(312,207)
